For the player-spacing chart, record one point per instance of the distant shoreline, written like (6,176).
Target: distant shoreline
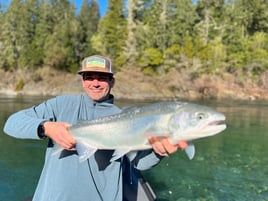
(136,86)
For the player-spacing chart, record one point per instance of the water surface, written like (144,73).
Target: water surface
(229,166)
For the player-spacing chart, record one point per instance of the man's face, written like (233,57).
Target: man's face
(97,85)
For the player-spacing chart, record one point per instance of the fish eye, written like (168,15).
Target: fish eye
(201,116)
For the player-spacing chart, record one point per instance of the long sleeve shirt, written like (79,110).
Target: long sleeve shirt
(64,177)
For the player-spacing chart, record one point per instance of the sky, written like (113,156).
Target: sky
(102,3)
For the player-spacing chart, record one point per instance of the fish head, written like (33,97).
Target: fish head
(191,121)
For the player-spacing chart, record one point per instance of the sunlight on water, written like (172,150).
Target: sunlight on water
(230,166)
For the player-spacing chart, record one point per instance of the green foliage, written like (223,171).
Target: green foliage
(213,56)
(155,35)
(172,57)
(88,24)
(111,35)
(19,85)
(150,60)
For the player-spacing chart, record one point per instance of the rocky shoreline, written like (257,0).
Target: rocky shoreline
(134,85)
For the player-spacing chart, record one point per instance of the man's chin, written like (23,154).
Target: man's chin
(98,97)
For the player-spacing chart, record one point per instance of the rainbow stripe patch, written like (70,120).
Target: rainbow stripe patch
(96,62)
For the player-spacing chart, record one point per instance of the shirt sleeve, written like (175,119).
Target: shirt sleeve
(144,160)
(24,124)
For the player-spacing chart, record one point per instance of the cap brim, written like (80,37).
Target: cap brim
(94,70)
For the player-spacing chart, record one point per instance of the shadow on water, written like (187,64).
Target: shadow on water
(229,166)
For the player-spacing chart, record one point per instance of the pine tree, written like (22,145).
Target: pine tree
(182,17)
(44,28)
(59,49)
(30,16)
(135,30)
(111,36)
(17,33)
(88,26)
(2,60)
(210,12)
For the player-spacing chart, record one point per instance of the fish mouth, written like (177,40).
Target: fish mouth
(211,128)
(214,127)
(216,119)
(217,123)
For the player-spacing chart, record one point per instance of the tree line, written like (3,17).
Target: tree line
(153,36)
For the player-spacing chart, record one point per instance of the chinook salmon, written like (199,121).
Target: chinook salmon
(128,131)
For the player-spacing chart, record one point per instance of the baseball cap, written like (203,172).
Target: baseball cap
(96,63)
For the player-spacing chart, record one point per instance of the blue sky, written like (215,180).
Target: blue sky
(102,3)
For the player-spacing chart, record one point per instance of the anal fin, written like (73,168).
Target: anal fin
(118,153)
(84,151)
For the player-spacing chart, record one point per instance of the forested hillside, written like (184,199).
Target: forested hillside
(159,38)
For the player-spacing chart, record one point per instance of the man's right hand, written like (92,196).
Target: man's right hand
(58,132)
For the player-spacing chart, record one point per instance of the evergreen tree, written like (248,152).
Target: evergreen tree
(181,20)
(17,33)
(209,12)
(258,15)
(139,26)
(131,51)
(111,36)
(59,48)
(155,21)
(2,60)
(136,39)
(30,16)
(154,35)
(182,17)
(43,28)
(88,26)
(153,44)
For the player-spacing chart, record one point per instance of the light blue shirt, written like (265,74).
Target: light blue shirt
(64,178)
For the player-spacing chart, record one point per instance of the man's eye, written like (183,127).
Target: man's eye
(91,78)
(88,78)
(102,78)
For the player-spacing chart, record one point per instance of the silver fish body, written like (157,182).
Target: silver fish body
(129,130)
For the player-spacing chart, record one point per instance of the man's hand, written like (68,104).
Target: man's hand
(58,132)
(163,147)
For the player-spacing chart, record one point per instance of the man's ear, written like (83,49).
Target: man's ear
(112,82)
(82,80)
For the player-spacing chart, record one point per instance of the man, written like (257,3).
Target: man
(63,177)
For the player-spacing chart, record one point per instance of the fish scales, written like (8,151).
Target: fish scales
(129,130)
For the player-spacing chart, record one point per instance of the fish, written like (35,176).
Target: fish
(129,130)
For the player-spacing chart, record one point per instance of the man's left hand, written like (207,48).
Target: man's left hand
(163,147)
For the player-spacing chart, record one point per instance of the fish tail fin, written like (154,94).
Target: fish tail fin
(84,151)
(190,150)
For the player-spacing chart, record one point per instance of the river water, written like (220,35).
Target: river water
(231,166)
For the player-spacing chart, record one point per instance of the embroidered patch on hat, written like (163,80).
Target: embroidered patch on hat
(96,62)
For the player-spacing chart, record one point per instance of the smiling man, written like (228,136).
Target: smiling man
(63,177)
(97,77)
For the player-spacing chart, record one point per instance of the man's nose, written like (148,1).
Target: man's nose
(95,81)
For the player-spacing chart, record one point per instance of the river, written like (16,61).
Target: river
(231,166)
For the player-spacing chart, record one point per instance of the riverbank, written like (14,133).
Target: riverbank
(135,85)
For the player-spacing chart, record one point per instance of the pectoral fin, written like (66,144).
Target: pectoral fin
(190,150)
(118,154)
(84,151)
(56,149)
